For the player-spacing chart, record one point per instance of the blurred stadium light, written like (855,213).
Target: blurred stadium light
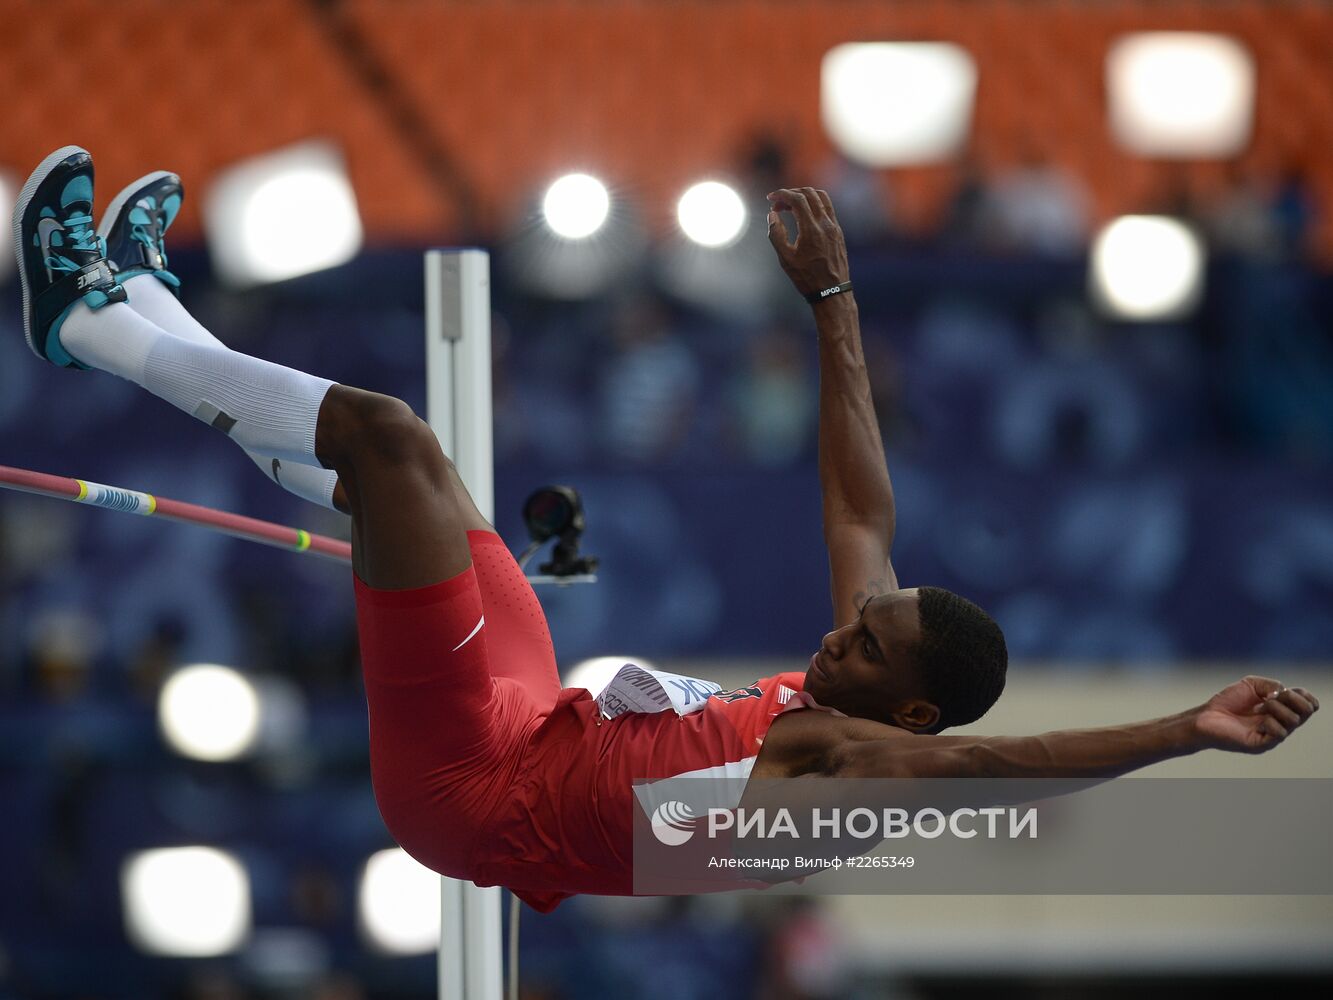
(712,214)
(893,103)
(596,673)
(1146,267)
(1180,94)
(283,715)
(209,712)
(576,206)
(399,904)
(9,188)
(282,215)
(185,901)
(590,239)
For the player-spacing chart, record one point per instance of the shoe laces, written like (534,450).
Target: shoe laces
(149,238)
(82,237)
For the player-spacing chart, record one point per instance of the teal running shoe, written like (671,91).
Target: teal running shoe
(61,260)
(135,226)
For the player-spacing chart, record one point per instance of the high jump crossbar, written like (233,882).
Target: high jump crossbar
(146,504)
(248,529)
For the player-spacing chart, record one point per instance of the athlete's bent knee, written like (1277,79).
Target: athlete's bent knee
(355,424)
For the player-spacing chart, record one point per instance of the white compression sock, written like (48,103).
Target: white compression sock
(154,302)
(263,407)
(307,481)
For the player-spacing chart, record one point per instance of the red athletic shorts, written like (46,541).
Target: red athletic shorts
(486,771)
(458,677)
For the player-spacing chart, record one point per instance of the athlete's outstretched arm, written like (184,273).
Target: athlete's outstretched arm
(1251,716)
(859,517)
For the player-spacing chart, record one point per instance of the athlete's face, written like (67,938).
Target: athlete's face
(866,668)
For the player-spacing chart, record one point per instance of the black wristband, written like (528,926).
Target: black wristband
(816,297)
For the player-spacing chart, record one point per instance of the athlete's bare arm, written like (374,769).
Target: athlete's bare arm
(1251,716)
(858,497)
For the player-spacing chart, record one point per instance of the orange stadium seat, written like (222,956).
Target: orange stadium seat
(512,91)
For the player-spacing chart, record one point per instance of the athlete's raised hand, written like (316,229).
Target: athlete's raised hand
(818,258)
(1254,714)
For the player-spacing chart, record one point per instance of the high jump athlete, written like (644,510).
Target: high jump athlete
(483,767)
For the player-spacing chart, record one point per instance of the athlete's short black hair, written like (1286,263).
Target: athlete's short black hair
(961,658)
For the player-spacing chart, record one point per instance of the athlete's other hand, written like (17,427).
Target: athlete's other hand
(818,258)
(1253,715)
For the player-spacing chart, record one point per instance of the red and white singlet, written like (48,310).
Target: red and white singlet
(568,827)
